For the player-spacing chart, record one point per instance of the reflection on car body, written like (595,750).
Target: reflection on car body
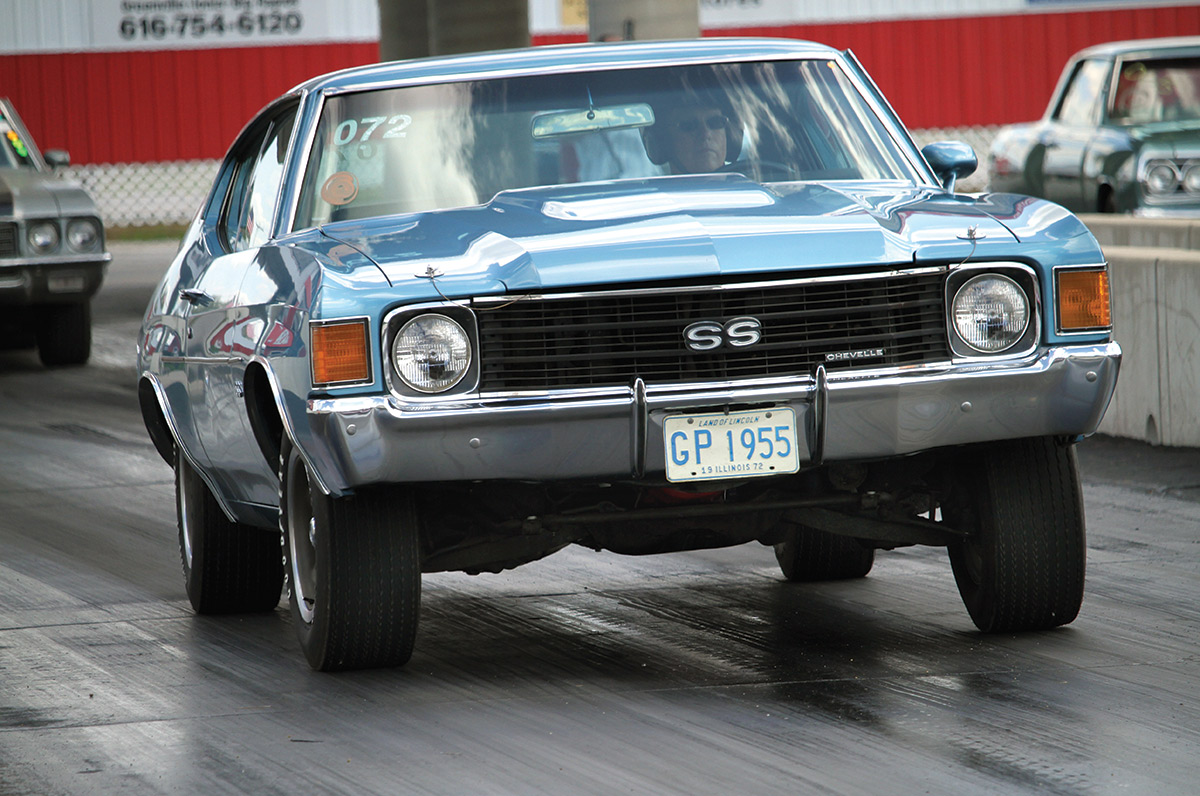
(410,331)
(1121,133)
(52,256)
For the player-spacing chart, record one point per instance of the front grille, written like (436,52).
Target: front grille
(609,338)
(8,240)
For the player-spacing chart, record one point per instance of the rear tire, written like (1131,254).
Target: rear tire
(228,567)
(1022,567)
(807,555)
(353,571)
(64,334)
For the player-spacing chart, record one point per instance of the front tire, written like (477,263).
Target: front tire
(228,567)
(353,571)
(1022,565)
(807,555)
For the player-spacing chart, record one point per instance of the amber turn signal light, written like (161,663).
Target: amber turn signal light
(340,354)
(1083,300)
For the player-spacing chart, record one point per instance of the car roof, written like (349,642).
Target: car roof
(563,57)
(1158,47)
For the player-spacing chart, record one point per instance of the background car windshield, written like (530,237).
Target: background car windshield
(1159,90)
(457,144)
(13,150)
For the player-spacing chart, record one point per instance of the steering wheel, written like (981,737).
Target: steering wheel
(757,168)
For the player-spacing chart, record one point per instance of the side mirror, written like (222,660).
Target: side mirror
(57,158)
(950,160)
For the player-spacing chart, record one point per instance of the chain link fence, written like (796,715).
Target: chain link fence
(148,194)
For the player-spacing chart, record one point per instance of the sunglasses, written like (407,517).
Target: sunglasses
(715,122)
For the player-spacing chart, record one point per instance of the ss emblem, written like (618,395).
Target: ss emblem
(736,333)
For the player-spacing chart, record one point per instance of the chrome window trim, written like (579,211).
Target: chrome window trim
(919,170)
(365,320)
(1091,332)
(969,270)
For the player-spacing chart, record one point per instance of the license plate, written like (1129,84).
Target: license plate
(64,284)
(731,445)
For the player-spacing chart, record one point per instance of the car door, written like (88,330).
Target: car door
(222,327)
(1072,126)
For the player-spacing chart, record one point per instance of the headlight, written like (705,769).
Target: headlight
(1161,177)
(990,313)
(83,235)
(43,237)
(1191,178)
(431,353)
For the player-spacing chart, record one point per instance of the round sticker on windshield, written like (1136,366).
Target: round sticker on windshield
(340,188)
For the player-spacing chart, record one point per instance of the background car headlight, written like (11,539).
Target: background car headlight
(83,235)
(1191,178)
(431,353)
(1161,177)
(990,313)
(43,237)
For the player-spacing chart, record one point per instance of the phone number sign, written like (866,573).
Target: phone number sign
(174,24)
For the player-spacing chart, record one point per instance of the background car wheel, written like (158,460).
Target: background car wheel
(808,555)
(64,334)
(353,571)
(1107,202)
(1022,566)
(228,567)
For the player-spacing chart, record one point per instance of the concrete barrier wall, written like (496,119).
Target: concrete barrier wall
(1155,281)
(1122,230)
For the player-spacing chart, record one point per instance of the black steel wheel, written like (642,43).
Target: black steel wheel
(808,555)
(64,333)
(1022,565)
(353,571)
(228,567)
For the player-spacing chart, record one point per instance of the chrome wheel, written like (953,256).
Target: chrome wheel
(301,533)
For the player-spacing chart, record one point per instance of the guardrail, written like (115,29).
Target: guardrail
(1154,267)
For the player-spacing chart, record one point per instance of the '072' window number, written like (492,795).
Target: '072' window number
(393,127)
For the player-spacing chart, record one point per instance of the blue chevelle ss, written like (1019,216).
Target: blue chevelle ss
(459,313)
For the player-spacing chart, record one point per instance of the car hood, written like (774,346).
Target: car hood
(664,228)
(1176,139)
(28,193)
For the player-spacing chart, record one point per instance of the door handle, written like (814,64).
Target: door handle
(195,297)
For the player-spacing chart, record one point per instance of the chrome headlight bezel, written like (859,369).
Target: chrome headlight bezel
(43,237)
(1160,177)
(1014,279)
(453,319)
(1191,176)
(84,235)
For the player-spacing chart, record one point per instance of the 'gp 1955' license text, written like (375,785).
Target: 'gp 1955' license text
(720,445)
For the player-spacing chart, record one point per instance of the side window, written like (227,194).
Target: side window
(1081,101)
(256,183)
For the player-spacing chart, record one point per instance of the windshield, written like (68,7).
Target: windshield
(457,144)
(1157,90)
(13,151)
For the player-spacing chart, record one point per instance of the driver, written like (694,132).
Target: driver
(692,139)
(697,139)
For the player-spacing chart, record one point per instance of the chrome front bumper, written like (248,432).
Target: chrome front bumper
(842,417)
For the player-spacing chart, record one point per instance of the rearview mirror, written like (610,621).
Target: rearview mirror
(588,120)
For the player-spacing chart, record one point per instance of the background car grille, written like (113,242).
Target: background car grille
(8,240)
(608,339)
